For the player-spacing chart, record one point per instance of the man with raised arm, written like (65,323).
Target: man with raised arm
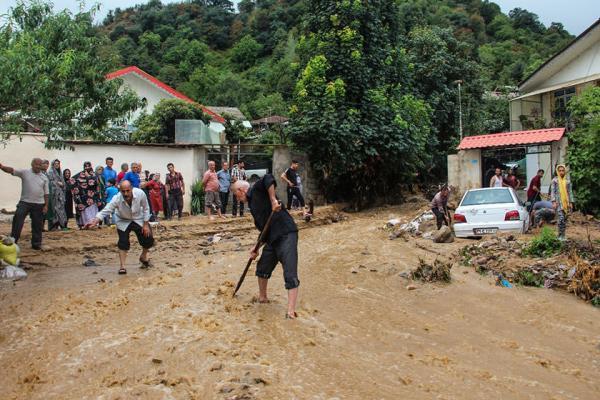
(34,201)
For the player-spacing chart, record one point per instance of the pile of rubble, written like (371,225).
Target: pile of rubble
(576,269)
(423,225)
(439,271)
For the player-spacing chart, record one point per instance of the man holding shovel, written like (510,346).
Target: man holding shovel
(280,237)
(439,207)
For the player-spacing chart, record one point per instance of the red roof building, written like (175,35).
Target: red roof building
(138,79)
(531,137)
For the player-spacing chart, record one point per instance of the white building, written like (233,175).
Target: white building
(153,90)
(545,93)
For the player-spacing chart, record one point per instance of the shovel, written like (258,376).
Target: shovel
(261,239)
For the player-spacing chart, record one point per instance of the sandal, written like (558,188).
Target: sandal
(294,316)
(122,271)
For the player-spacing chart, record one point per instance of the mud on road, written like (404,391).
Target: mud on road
(174,332)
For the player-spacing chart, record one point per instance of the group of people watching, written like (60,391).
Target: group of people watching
(217,187)
(52,194)
(557,204)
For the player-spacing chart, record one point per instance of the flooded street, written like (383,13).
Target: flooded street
(174,332)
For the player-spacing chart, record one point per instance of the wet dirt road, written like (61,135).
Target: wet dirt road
(173,332)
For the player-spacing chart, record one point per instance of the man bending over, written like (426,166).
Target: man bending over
(132,213)
(281,241)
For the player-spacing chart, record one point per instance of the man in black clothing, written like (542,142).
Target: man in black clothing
(291,177)
(281,240)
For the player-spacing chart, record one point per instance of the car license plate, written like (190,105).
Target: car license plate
(485,231)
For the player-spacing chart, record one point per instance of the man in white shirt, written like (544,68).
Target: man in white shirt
(132,213)
(33,202)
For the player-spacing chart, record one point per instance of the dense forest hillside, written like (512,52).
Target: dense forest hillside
(248,57)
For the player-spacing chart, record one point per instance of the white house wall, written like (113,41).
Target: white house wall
(191,162)
(147,90)
(586,64)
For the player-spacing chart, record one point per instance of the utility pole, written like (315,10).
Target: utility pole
(460,124)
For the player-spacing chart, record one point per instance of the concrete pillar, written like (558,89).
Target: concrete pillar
(282,158)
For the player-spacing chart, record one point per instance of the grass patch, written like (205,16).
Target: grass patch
(528,278)
(545,244)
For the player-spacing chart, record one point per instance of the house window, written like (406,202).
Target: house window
(561,100)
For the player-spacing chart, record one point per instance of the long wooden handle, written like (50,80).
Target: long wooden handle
(261,239)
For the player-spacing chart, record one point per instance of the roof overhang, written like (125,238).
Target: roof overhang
(575,82)
(548,69)
(531,137)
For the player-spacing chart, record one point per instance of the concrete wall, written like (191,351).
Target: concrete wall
(18,152)
(282,158)
(464,169)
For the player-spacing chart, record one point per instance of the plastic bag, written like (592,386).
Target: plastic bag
(11,272)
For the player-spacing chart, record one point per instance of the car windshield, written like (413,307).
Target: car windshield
(492,196)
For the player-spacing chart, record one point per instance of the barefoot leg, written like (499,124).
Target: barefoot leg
(262,290)
(292,298)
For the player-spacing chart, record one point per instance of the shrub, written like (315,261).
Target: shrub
(546,244)
(197,198)
(529,278)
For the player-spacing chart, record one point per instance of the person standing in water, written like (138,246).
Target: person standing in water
(281,242)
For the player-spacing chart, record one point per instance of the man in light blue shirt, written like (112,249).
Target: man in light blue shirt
(109,172)
(132,213)
(224,184)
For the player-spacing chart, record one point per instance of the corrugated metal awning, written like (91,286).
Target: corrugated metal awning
(535,136)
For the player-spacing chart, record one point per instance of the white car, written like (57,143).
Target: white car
(488,211)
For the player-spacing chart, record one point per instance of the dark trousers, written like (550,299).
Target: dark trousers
(532,200)
(291,192)
(176,201)
(234,207)
(224,200)
(285,251)
(440,218)
(37,222)
(123,243)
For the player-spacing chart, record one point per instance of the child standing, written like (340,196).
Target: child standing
(156,189)
(111,191)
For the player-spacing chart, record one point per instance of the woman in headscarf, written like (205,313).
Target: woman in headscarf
(101,183)
(86,195)
(69,184)
(561,195)
(57,216)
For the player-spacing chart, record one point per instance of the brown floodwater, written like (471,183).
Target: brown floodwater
(174,332)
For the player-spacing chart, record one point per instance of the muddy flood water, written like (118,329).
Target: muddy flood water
(174,332)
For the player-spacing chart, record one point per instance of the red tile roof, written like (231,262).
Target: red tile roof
(143,74)
(512,138)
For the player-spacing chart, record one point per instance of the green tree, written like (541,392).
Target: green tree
(583,152)
(362,132)
(245,53)
(439,62)
(53,68)
(264,106)
(159,127)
